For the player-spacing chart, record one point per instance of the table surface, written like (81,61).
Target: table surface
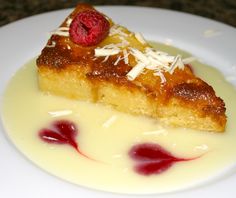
(219,10)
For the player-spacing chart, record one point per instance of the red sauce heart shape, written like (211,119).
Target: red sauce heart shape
(152,158)
(61,132)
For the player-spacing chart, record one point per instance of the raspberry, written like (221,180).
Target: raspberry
(89,28)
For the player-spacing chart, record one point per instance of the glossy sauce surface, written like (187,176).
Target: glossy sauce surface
(107,136)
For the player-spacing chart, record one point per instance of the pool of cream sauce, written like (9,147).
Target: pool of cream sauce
(107,135)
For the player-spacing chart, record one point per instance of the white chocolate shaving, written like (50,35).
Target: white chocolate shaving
(161,75)
(202,147)
(116,29)
(139,55)
(140,38)
(180,63)
(106,52)
(68,22)
(61,31)
(60,113)
(189,60)
(126,56)
(174,64)
(105,59)
(117,60)
(109,122)
(135,71)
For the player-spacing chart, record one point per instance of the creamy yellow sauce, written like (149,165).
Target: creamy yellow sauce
(107,135)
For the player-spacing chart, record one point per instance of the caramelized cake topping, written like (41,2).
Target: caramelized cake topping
(89,28)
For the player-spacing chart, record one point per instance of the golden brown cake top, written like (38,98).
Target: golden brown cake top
(180,83)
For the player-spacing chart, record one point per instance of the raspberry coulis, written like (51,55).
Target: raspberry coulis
(149,158)
(152,158)
(61,132)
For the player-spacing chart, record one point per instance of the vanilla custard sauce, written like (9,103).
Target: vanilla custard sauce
(107,135)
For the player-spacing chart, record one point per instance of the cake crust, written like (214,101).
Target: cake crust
(73,71)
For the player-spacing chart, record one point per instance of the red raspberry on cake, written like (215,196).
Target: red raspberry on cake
(89,28)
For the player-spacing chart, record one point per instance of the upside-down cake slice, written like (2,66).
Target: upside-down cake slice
(89,57)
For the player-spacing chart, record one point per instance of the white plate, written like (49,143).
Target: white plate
(212,42)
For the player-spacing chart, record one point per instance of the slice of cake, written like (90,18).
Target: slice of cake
(89,57)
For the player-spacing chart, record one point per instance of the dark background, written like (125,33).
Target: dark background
(220,10)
